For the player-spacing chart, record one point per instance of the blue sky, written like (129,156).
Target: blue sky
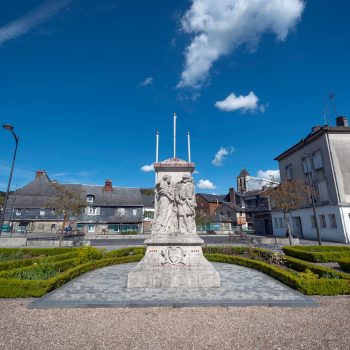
(86,84)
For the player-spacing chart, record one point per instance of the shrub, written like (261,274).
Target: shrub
(87,254)
(318,253)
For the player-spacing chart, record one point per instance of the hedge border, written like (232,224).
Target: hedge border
(35,251)
(15,288)
(321,286)
(18,263)
(318,253)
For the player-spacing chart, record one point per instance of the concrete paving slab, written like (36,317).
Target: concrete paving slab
(106,287)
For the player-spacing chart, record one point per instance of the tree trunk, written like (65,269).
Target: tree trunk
(286,222)
(63,226)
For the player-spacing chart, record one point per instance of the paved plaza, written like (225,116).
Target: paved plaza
(106,287)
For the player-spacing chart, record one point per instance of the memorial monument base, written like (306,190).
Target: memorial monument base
(174,260)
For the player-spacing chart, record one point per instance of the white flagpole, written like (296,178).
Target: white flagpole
(189,147)
(157,146)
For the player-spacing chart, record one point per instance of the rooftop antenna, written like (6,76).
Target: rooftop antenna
(325,112)
(332,98)
(175,135)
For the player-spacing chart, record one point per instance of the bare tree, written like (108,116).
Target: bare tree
(202,218)
(67,203)
(288,196)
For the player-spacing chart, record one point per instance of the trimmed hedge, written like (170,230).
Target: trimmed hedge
(126,252)
(18,263)
(59,266)
(15,288)
(344,264)
(19,253)
(301,266)
(318,253)
(320,286)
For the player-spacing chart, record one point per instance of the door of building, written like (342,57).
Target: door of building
(297,228)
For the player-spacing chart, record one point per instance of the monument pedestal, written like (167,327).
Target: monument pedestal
(173,260)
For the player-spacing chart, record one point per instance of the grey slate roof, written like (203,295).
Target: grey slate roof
(40,193)
(213,198)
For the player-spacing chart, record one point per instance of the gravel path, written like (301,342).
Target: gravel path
(323,327)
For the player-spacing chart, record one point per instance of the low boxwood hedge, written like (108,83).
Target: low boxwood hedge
(318,253)
(344,264)
(18,263)
(319,286)
(16,288)
(19,253)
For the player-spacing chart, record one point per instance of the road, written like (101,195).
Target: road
(136,242)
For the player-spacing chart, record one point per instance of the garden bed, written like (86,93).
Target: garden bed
(35,272)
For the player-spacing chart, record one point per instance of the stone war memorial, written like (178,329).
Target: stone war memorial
(174,257)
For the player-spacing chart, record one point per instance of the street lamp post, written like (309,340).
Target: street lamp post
(9,128)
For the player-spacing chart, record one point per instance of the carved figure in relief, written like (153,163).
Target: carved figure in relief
(186,203)
(165,205)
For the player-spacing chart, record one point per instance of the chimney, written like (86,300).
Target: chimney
(39,173)
(342,121)
(232,195)
(108,186)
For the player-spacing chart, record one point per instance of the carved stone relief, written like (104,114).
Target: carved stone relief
(175,206)
(173,255)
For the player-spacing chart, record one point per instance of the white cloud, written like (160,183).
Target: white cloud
(249,103)
(221,154)
(269,174)
(205,184)
(221,26)
(30,20)
(147,168)
(147,81)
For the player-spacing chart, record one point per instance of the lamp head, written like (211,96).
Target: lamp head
(8,127)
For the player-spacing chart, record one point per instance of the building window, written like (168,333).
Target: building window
(42,212)
(92,211)
(18,212)
(332,221)
(121,211)
(322,219)
(148,214)
(275,222)
(306,165)
(91,228)
(313,221)
(289,171)
(317,160)
(280,222)
(134,212)
(90,198)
